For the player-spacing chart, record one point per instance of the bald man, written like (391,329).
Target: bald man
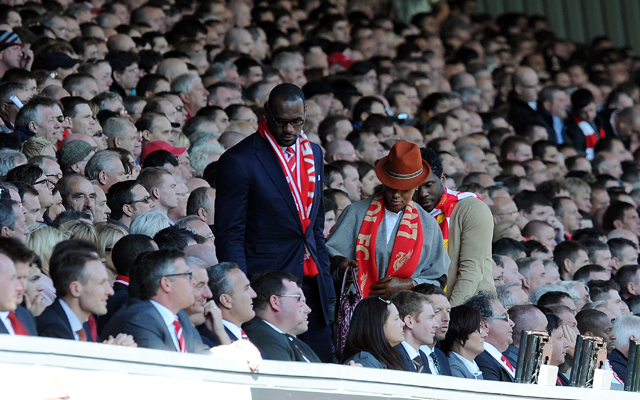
(526,317)
(505,209)
(524,97)
(625,123)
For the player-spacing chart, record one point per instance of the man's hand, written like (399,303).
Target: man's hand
(571,337)
(240,349)
(213,322)
(557,226)
(121,340)
(388,286)
(343,267)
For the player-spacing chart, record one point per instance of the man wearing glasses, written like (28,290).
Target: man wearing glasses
(268,194)
(495,321)
(127,200)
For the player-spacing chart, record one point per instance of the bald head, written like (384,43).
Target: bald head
(121,42)
(504,209)
(526,317)
(203,252)
(339,150)
(526,84)
(172,67)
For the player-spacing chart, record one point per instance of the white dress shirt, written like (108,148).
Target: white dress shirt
(470,365)
(432,366)
(75,323)
(390,220)
(168,317)
(235,329)
(4,317)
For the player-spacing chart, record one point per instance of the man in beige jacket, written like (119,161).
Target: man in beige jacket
(467,229)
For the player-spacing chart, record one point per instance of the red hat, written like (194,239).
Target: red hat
(340,59)
(160,145)
(403,168)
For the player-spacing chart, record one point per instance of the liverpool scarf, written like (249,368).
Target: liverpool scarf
(591,135)
(300,172)
(407,246)
(444,208)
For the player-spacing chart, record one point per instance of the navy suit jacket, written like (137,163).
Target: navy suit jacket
(53,322)
(512,355)
(27,320)
(276,345)
(210,339)
(143,321)
(256,220)
(491,369)
(407,363)
(619,363)
(118,300)
(444,361)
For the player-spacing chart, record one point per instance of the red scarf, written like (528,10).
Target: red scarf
(589,131)
(444,208)
(301,177)
(407,245)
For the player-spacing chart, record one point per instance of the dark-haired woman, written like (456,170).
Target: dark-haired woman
(464,341)
(375,329)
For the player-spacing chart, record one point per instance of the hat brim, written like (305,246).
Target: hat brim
(401,184)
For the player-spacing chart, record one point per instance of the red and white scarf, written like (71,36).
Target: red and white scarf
(589,132)
(301,177)
(444,208)
(407,246)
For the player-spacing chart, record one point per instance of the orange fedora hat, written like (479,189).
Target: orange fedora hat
(403,168)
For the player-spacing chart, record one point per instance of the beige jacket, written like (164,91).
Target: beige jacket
(470,234)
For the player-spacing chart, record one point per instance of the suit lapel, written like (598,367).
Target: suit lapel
(63,316)
(3,329)
(166,335)
(272,167)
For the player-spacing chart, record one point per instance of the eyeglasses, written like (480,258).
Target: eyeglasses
(189,274)
(478,331)
(145,199)
(385,301)
(45,181)
(284,122)
(296,296)
(179,108)
(504,317)
(58,175)
(98,134)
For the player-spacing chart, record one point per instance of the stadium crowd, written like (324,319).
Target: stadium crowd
(202,176)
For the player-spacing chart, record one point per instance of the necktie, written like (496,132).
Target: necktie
(293,341)
(290,155)
(18,327)
(436,362)
(504,360)
(178,328)
(417,361)
(243,335)
(82,335)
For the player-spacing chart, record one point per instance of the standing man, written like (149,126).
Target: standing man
(269,207)
(467,225)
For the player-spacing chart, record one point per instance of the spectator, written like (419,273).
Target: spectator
(525,317)
(463,343)
(625,328)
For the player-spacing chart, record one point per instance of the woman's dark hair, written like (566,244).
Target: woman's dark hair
(366,333)
(464,320)
(553,322)
(364,168)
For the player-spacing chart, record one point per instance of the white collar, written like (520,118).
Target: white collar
(235,329)
(426,349)
(273,326)
(167,315)
(497,355)
(470,365)
(413,353)
(75,323)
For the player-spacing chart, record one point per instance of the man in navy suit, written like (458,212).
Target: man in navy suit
(495,321)
(232,292)
(438,361)
(269,207)
(82,287)
(420,327)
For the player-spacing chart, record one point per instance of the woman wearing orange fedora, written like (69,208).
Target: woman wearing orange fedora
(395,244)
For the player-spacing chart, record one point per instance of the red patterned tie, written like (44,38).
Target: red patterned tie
(290,155)
(18,327)
(243,335)
(179,335)
(504,360)
(82,335)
